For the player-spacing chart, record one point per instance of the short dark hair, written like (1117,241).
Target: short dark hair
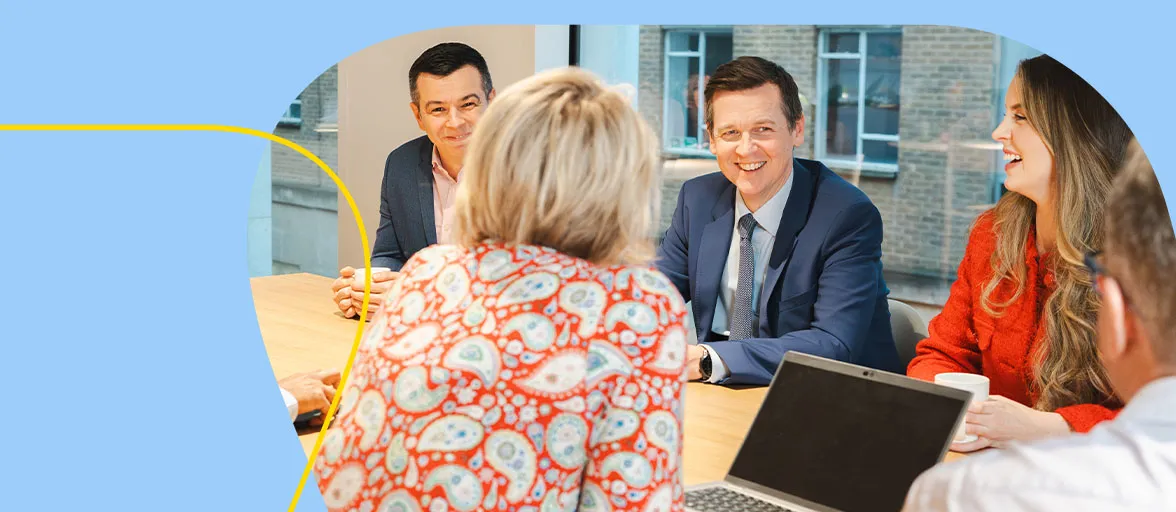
(1140,245)
(747,73)
(443,60)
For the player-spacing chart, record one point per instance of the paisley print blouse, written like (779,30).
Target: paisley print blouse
(513,377)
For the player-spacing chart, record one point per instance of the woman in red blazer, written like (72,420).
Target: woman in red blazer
(1022,311)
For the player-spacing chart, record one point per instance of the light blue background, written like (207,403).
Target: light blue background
(136,378)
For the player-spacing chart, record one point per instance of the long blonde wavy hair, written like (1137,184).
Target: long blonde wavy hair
(1088,142)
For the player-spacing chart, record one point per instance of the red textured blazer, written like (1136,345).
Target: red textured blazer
(963,338)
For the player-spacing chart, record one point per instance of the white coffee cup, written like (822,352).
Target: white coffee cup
(972,383)
(360,272)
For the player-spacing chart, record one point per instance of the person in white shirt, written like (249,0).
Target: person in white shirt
(307,392)
(1128,463)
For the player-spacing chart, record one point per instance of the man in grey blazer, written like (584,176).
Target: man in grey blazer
(450,86)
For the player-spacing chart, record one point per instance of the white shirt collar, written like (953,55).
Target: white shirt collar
(1152,401)
(767,216)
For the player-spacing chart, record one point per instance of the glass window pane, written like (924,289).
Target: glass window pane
(681,103)
(719,48)
(683,41)
(880,152)
(883,83)
(843,43)
(881,116)
(884,45)
(841,109)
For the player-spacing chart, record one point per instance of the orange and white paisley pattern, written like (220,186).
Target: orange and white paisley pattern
(513,378)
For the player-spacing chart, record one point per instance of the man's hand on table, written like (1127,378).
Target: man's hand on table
(381,284)
(342,290)
(348,291)
(311,391)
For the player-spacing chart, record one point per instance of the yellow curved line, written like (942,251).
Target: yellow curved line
(367,256)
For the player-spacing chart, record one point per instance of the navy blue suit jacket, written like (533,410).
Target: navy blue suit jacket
(823,291)
(407,223)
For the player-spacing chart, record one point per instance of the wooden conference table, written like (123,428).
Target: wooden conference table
(304,331)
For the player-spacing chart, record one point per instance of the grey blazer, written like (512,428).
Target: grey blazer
(407,224)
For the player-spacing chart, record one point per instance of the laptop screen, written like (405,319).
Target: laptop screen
(844,441)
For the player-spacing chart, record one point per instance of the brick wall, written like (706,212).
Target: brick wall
(305,199)
(944,180)
(650,69)
(293,169)
(793,47)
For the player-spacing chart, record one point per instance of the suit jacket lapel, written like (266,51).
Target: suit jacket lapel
(424,187)
(795,215)
(712,257)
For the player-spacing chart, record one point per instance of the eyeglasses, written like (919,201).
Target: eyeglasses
(1094,267)
(1097,270)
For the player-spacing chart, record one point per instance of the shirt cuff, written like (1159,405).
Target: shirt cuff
(718,369)
(291,403)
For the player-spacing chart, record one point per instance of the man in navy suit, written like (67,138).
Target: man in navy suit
(450,86)
(774,253)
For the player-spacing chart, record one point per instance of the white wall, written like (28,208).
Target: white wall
(611,51)
(552,44)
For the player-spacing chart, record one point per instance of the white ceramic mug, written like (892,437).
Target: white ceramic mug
(360,272)
(972,383)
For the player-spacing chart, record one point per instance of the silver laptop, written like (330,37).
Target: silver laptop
(832,436)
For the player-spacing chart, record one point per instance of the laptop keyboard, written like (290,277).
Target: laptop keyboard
(721,499)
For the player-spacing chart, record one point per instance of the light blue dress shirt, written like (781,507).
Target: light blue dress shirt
(763,238)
